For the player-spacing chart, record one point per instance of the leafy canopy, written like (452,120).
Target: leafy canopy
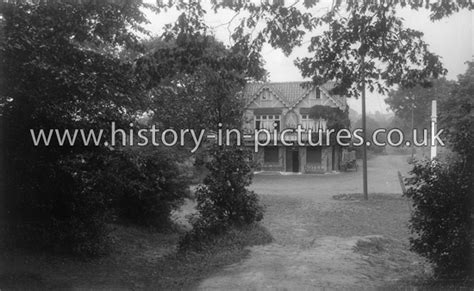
(369,47)
(419,98)
(362,41)
(335,117)
(457,116)
(192,78)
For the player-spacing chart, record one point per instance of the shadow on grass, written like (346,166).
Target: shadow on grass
(371,196)
(142,259)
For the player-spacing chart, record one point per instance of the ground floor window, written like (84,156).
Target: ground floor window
(270,155)
(313,155)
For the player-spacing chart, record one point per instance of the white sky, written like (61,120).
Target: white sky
(451,38)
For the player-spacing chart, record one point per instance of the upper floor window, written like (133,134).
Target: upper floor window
(268,122)
(266,95)
(315,94)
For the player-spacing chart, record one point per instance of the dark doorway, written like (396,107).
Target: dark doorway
(292,159)
(296,161)
(333,158)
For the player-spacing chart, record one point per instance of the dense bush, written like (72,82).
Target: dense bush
(66,206)
(224,201)
(147,184)
(441,215)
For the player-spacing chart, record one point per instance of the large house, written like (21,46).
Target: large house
(278,106)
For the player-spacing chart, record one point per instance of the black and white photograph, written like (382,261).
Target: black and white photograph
(236,145)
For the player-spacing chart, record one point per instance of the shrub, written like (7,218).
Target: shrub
(441,216)
(147,185)
(66,206)
(224,201)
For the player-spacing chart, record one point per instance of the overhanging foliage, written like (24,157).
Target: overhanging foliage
(336,118)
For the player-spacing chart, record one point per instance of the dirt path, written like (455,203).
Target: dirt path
(287,267)
(325,243)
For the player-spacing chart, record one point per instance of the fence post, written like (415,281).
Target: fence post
(402,184)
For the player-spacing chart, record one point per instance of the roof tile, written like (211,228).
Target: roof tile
(289,92)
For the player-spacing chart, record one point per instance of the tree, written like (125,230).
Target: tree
(192,78)
(456,116)
(369,47)
(203,93)
(64,67)
(416,101)
(335,117)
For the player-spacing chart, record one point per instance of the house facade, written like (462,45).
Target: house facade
(280,106)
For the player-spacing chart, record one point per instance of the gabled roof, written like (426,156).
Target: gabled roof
(289,93)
